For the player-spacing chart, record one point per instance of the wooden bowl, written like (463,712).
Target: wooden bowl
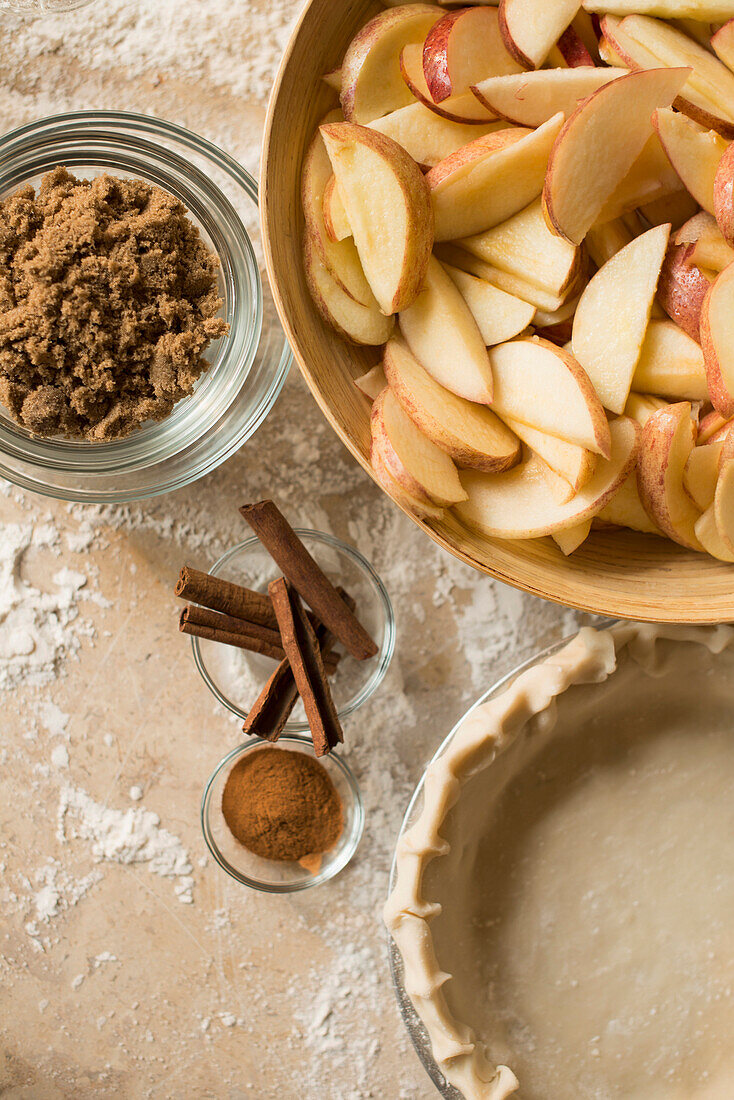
(617,573)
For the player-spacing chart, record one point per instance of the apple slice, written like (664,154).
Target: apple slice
(717,341)
(573,50)
(336,222)
(428,137)
(612,316)
(625,509)
(499,316)
(462,48)
(599,144)
(675,208)
(420,467)
(694,153)
(388,208)
(569,461)
(722,43)
(710,250)
(644,43)
(543,386)
(571,538)
(671,364)
(724,504)
(421,508)
(723,198)
(668,438)
(490,179)
(701,474)
(341,259)
(641,406)
(530,99)
(651,177)
(355,322)
(518,505)
(682,288)
(714,10)
(471,434)
(525,246)
(444,337)
(531,27)
(372,383)
(558,325)
(511,284)
(711,426)
(586,27)
(372,84)
(708,534)
(606,239)
(464,108)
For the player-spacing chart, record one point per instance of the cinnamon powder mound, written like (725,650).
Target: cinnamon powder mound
(282,805)
(108,300)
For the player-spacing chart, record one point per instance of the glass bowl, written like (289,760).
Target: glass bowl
(411,1019)
(270,876)
(248,367)
(235,676)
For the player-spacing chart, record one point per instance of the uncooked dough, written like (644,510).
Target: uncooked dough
(587,894)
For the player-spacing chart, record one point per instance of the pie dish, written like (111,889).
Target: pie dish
(562,899)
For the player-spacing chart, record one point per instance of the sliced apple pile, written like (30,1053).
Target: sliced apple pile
(530,99)
(599,144)
(388,209)
(421,468)
(463,48)
(529,205)
(372,83)
(517,504)
(530,28)
(490,179)
(613,313)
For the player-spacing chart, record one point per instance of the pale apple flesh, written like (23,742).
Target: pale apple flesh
(471,434)
(531,98)
(517,504)
(354,322)
(418,465)
(464,108)
(671,364)
(694,153)
(651,178)
(420,508)
(612,316)
(388,209)
(569,461)
(668,438)
(571,538)
(499,315)
(717,341)
(428,137)
(372,383)
(335,216)
(530,28)
(701,474)
(490,179)
(445,339)
(541,385)
(641,406)
(463,47)
(625,509)
(598,145)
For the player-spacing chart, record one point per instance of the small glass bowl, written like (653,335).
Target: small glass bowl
(270,876)
(248,367)
(249,563)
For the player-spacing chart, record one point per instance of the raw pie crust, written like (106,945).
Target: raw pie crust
(575,901)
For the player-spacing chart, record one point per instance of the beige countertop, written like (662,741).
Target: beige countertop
(109,985)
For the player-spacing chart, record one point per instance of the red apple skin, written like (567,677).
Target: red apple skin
(436,56)
(573,50)
(652,466)
(682,288)
(710,426)
(721,396)
(724,195)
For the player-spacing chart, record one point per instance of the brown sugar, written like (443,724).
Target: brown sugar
(108,301)
(282,805)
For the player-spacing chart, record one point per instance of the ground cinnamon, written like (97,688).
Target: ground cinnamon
(282,805)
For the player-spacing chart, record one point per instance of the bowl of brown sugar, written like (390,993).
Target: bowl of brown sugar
(277,819)
(139,347)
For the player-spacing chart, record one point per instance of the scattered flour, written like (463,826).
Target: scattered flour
(126,836)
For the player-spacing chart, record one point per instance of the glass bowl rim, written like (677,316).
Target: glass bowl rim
(230,430)
(387,648)
(346,851)
(412,1021)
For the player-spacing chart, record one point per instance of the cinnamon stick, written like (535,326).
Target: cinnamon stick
(309,580)
(226,597)
(256,640)
(304,656)
(274,705)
